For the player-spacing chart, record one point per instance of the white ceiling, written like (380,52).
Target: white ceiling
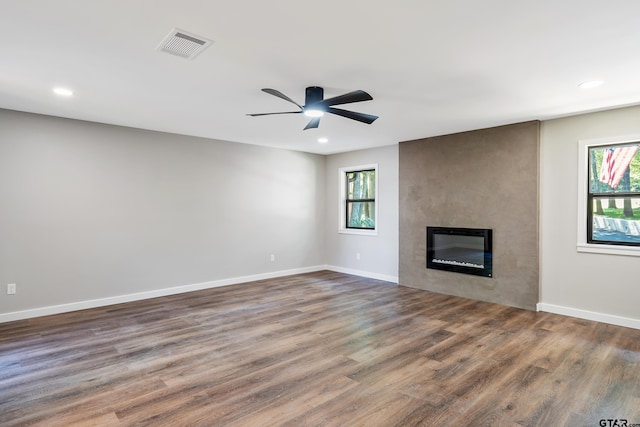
(432,66)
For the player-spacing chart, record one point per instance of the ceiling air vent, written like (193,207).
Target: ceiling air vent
(184,44)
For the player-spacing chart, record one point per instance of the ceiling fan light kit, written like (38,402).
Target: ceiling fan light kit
(313,113)
(315,105)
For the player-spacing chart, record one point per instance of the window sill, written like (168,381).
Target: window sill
(358,232)
(608,249)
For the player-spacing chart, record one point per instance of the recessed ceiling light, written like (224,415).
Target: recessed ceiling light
(62,91)
(590,84)
(323,140)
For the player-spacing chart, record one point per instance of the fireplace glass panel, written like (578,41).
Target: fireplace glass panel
(461,250)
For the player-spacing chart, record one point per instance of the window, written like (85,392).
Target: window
(609,196)
(358,194)
(361,199)
(613,198)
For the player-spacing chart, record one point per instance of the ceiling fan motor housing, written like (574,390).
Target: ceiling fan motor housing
(313,94)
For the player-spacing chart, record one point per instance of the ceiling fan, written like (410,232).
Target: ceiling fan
(315,106)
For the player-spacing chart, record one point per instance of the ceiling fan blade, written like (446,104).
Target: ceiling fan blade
(347,98)
(281,96)
(314,123)
(361,117)
(269,114)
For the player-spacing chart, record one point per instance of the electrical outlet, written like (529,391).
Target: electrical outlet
(273,257)
(358,256)
(11,289)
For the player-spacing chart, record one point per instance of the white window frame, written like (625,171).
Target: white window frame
(583,184)
(342,203)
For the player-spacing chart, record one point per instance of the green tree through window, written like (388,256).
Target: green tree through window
(360,199)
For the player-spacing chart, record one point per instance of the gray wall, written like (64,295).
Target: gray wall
(573,282)
(90,211)
(482,179)
(378,254)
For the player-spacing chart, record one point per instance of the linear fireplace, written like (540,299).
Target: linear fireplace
(461,250)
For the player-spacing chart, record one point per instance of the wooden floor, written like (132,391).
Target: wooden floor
(319,349)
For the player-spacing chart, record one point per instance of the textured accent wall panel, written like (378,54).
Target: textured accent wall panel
(486,178)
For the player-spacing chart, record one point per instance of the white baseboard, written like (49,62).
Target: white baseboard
(83,305)
(386,278)
(589,315)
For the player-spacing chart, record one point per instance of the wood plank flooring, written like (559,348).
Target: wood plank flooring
(318,349)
